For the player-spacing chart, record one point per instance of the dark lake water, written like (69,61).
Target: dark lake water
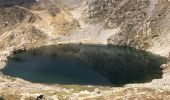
(85,65)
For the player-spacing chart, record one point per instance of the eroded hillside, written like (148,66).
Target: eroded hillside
(144,23)
(20,23)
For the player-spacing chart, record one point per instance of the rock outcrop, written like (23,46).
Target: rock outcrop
(144,23)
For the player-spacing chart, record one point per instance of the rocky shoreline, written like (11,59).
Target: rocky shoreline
(22,89)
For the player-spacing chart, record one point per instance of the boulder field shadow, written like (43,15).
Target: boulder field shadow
(79,64)
(9,3)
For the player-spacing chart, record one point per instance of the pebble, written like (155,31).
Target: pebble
(84,92)
(52,98)
(135,89)
(164,66)
(40,97)
(96,90)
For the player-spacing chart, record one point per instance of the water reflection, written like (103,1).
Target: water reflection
(85,65)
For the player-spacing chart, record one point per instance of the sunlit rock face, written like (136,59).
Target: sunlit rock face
(127,14)
(144,22)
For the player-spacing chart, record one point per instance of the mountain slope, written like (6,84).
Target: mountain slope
(144,23)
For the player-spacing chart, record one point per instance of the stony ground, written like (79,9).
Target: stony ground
(143,24)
